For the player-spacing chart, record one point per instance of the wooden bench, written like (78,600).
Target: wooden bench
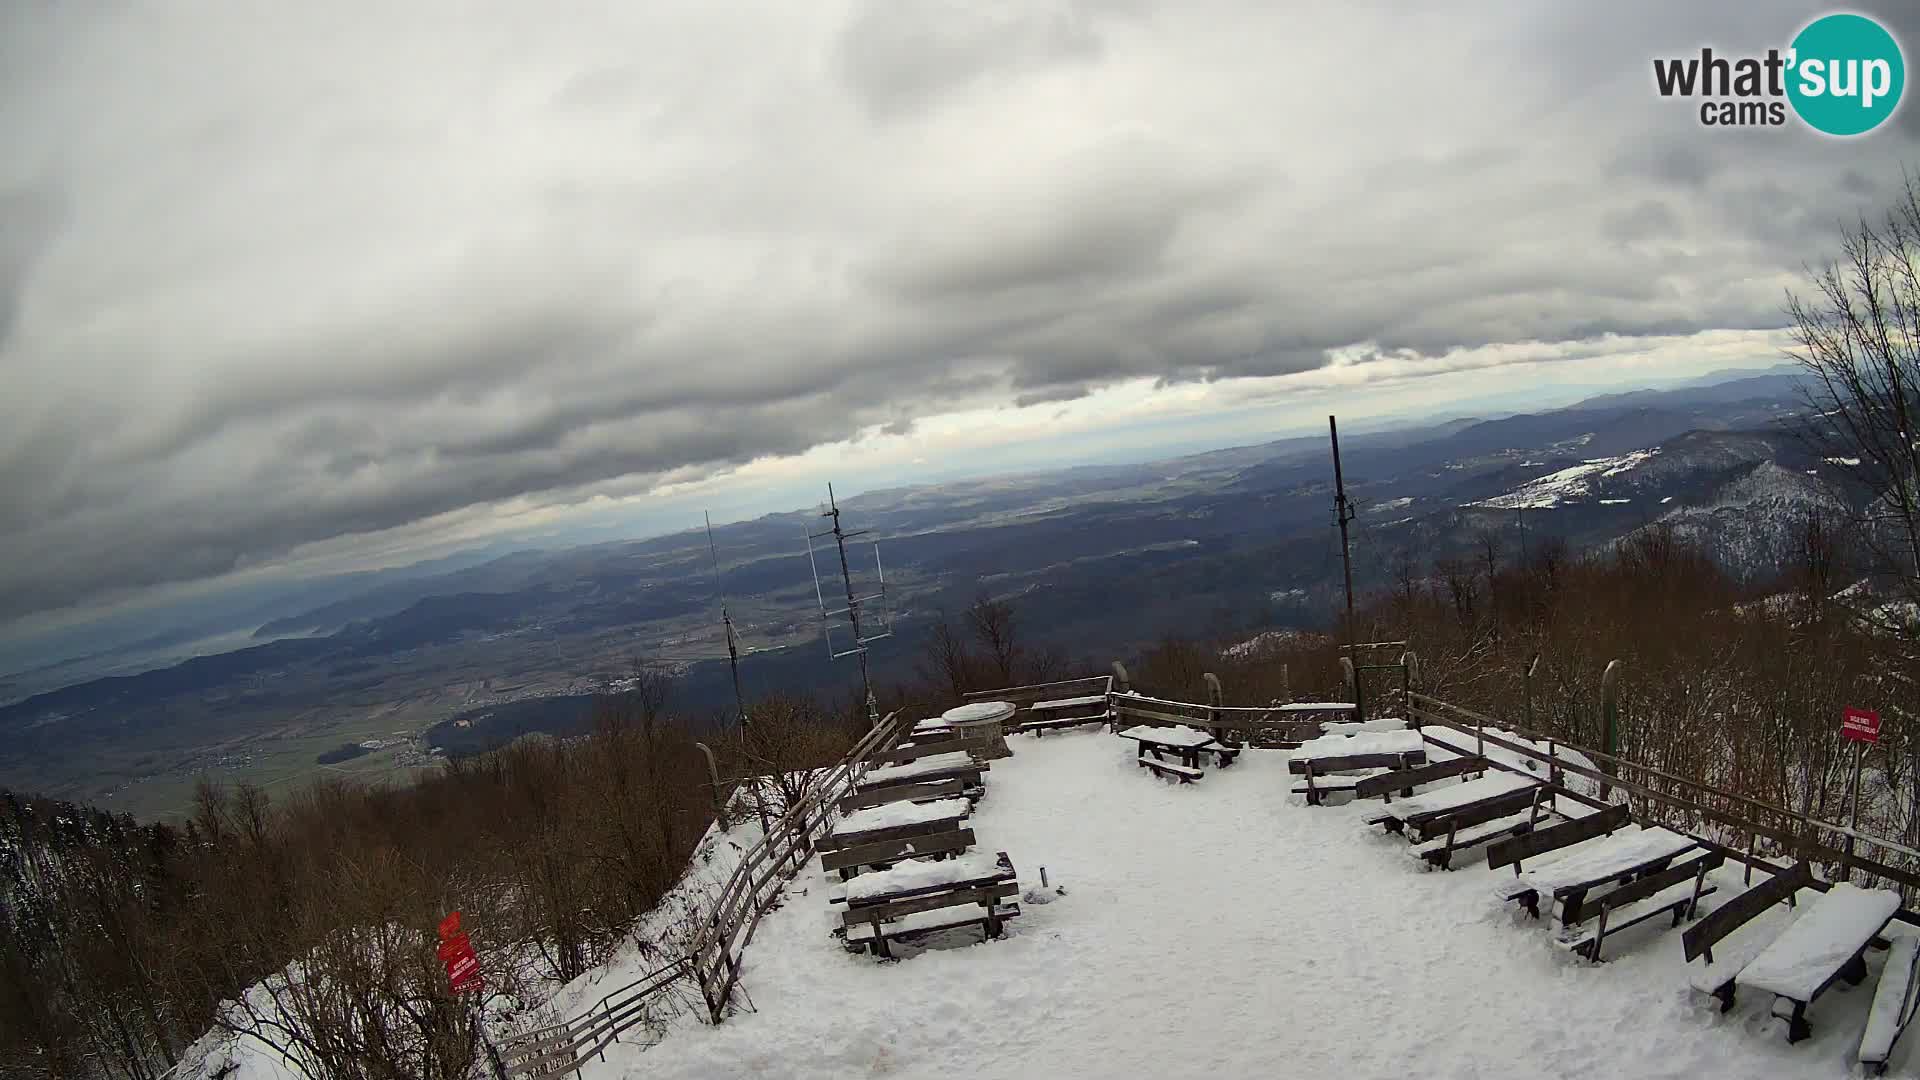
(874,925)
(1893,1004)
(909,752)
(1539,842)
(1319,784)
(1620,858)
(1186,774)
(1449,809)
(1473,826)
(1663,893)
(958,766)
(1384,785)
(1716,978)
(1827,943)
(939,789)
(848,860)
(1045,716)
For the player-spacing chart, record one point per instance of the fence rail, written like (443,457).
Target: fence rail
(1727,819)
(713,960)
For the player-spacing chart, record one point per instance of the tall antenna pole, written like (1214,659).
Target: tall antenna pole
(1343,510)
(733,641)
(854,602)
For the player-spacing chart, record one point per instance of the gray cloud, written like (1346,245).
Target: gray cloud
(270,282)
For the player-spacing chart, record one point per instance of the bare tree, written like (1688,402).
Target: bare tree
(998,632)
(1857,336)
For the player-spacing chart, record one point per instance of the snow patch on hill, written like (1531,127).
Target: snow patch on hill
(1567,485)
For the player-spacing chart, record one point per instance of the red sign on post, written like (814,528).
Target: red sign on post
(1860,725)
(456,951)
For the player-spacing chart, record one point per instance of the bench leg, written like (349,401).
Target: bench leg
(1531,901)
(1855,970)
(1797,1028)
(1724,992)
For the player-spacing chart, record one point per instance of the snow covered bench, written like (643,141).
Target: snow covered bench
(929,792)
(948,766)
(848,860)
(895,821)
(918,751)
(1323,774)
(1827,943)
(1539,842)
(1621,857)
(1893,1004)
(1714,976)
(1448,809)
(1045,716)
(1674,891)
(1185,774)
(1384,785)
(1462,834)
(918,896)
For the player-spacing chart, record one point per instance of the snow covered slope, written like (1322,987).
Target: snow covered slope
(1222,929)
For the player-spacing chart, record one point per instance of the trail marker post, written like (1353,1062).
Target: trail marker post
(1860,727)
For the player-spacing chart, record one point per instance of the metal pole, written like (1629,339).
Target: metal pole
(1853,815)
(1343,510)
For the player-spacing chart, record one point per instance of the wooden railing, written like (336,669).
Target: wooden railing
(712,962)
(1728,820)
(1023,697)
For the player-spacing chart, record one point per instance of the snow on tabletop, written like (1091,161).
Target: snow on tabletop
(1176,735)
(1449,796)
(1831,930)
(977,712)
(933,763)
(1068,703)
(1367,742)
(898,815)
(924,873)
(1600,857)
(1212,916)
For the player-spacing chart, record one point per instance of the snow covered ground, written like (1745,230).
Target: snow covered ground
(1222,929)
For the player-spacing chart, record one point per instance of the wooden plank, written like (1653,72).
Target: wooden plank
(895,850)
(1346,762)
(897,832)
(1167,768)
(1540,841)
(985,894)
(1642,887)
(900,755)
(1740,910)
(1002,912)
(1474,813)
(1375,786)
(880,796)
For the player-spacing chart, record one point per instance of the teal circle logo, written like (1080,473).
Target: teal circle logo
(1846,74)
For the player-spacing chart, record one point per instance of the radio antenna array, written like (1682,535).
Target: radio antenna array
(864,629)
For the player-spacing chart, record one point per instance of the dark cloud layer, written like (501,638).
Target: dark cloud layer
(268,279)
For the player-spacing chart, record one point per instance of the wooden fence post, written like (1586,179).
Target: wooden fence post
(1286,685)
(719,796)
(1120,680)
(1409,678)
(1352,678)
(1215,698)
(1610,722)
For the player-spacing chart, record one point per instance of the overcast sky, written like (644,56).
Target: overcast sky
(287,281)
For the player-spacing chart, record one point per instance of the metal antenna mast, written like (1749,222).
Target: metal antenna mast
(855,603)
(733,640)
(1343,510)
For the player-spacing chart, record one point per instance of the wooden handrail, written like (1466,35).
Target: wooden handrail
(712,958)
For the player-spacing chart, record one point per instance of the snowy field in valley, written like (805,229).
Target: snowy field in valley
(1223,929)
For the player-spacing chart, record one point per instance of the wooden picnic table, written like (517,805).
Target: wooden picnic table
(1826,943)
(1188,743)
(895,821)
(924,877)
(1508,793)
(1622,856)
